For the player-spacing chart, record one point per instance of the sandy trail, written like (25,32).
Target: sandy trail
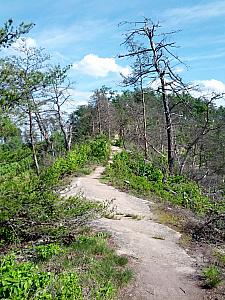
(163,270)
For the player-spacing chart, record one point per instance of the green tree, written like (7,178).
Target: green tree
(9,34)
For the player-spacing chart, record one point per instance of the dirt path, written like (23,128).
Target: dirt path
(163,269)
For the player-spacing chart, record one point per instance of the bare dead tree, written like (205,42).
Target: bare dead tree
(136,78)
(59,90)
(102,110)
(153,51)
(203,130)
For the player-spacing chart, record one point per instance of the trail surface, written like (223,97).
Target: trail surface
(163,270)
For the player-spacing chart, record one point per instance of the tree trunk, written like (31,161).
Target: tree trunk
(44,133)
(99,118)
(108,119)
(169,129)
(144,122)
(59,114)
(70,134)
(33,143)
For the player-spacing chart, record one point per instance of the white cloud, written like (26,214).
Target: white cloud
(211,85)
(28,42)
(94,65)
(202,88)
(207,87)
(196,12)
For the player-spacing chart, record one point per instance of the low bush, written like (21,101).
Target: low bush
(85,269)
(61,264)
(25,280)
(212,276)
(29,202)
(93,151)
(46,214)
(45,252)
(132,171)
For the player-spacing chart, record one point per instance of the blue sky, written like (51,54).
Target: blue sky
(86,34)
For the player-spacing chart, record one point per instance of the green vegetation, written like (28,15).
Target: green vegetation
(131,171)
(212,276)
(30,207)
(62,264)
(180,144)
(219,254)
(86,269)
(44,254)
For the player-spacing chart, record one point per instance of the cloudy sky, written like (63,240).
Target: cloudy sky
(85,33)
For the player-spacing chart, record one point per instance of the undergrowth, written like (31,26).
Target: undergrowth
(131,171)
(86,269)
(44,255)
(30,205)
(212,276)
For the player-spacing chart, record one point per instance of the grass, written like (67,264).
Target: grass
(86,170)
(169,218)
(212,276)
(87,268)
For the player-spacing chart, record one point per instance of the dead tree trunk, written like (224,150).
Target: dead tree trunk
(60,120)
(169,129)
(144,121)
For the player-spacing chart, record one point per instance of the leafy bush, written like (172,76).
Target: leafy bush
(140,184)
(93,151)
(32,210)
(89,269)
(212,276)
(45,252)
(27,206)
(68,287)
(28,202)
(130,170)
(22,280)
(26,281)
(99,149)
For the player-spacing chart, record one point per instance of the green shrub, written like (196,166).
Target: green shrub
(45,252)
(105,292)
(212,276)
(140,184)
(32,210)
(25,281)
(133,171)
(85,269)
(21,280)
(68,287)
(93,151)
(30,206)
(99,149)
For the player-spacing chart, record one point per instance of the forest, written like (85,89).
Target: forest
(172,150)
